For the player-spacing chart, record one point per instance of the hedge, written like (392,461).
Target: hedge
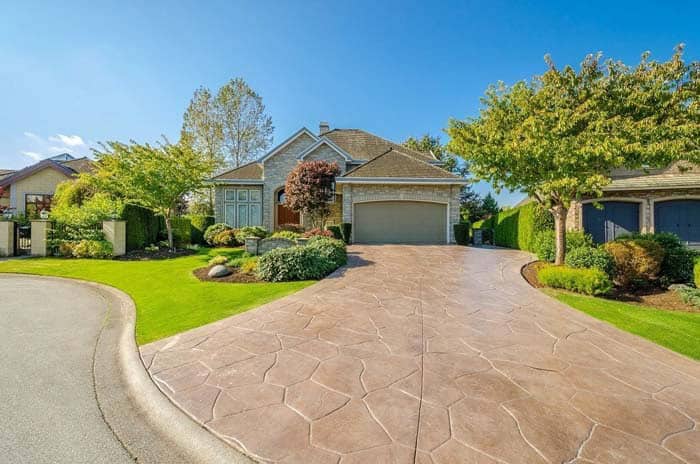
(516,228)
(142,227)
(199,226)
(587,281)
(182,230)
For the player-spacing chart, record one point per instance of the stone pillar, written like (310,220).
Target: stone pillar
(40,233)
(251,245)
(7,238)
(115,233)
(302,241)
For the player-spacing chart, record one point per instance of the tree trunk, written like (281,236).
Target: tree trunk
(559,212)
(169,227)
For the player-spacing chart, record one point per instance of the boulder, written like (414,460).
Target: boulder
(219,271)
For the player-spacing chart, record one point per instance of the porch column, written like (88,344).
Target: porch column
(7,238)
(40,233)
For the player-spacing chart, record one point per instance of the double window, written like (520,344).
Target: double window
(34,203)
(243,207)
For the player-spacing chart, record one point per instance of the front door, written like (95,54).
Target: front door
(284,214)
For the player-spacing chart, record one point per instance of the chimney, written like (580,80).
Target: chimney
(323,127)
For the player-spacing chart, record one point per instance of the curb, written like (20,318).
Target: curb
(169,434)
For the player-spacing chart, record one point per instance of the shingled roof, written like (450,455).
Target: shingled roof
(655,181)
(68,168)
(250,171)
(395,162)
(365,146)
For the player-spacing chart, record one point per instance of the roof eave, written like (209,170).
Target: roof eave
(401,180)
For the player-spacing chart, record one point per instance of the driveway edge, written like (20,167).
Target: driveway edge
(124,390)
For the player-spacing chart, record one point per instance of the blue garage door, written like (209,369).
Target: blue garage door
(616,218)
(681,217)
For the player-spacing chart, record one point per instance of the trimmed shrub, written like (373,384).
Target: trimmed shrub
(696,272)
(142,227)
(590,257)
(219,259)
(335,230)
(679,260)
(318,231)
(214,230)
(249,265)
(250,231)
(461,232)
(288,234)
(637,261)
(689,295)
(587,281)
(91,249)
(346,231)
(517,227)
(182,229)
(295,263)
(299,229)
(199,224)
(330,248)
(544,244)
(226,238)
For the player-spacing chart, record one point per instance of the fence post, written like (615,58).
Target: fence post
(115,233)
(7,238)
(40,233)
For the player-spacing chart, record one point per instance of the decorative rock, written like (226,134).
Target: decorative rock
(219,271)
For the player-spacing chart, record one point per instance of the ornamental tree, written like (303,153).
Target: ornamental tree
(155,177)
(557,136)
(309,189)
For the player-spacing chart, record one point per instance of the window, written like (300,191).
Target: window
(243,207)
(34,203)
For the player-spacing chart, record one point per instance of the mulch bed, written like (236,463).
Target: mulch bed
(143,255)
(236,277)
(658,298)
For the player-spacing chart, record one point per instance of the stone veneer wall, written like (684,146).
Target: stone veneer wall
(325,153)
(276,170)
(646,199)
(353,193)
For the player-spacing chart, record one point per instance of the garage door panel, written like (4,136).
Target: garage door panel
(614,219)
(680,217)
(400,222)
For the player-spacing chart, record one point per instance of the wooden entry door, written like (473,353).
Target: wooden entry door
(284,214)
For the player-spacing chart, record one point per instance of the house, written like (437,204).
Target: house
(652,200)
(31,189)
(389,193)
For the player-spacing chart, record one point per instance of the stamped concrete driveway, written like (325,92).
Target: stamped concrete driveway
(432,355)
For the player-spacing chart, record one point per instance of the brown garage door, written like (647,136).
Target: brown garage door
(400,222)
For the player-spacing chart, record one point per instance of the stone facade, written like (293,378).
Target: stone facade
(645,198)
(326,153)
(276,170)
(449,194)
(220,200)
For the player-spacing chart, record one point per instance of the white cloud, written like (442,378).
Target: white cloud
(70,140)
(32,135)
(33,155)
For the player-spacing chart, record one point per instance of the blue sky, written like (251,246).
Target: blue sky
(73,73)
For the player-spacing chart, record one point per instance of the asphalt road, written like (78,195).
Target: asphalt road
(48,407)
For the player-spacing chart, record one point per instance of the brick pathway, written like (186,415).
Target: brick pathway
(431,355)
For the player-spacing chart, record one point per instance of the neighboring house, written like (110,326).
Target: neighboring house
(31,189)
(390,193)
(655,200)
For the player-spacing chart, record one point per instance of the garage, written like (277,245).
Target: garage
(614,219)
(680,217)
(400,222)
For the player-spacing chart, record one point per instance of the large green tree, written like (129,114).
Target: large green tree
(432,144)
(557,136)
(155,177)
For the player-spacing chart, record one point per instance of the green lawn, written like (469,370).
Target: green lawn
(169,299)
(678,331)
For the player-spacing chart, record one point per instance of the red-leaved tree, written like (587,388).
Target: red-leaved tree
(309,190)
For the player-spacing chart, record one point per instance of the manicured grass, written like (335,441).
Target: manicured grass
(676,330)
(169,299)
